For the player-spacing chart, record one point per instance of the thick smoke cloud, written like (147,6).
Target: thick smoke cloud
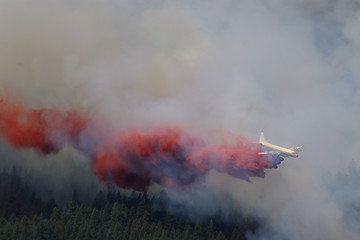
(288,68)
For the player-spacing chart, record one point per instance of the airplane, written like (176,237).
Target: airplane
(277,150)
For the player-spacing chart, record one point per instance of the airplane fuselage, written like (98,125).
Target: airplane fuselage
(286,151)
(277,150)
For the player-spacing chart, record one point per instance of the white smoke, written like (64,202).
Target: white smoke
(288,68)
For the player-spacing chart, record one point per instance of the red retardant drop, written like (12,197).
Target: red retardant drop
(165,154)
(46,130)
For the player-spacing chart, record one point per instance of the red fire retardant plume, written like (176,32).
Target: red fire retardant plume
(166,154)
(46,130)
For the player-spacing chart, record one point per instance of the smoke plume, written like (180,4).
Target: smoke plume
(288,68)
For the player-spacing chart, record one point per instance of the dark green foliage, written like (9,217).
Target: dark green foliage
(113,216)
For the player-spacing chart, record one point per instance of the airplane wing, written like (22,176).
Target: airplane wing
(269,153)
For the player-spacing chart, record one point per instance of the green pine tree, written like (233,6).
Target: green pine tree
(210,230)
(198,231)
(220,236)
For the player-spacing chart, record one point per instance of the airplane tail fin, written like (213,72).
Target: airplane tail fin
(262,138)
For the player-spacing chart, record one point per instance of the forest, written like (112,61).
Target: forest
(111,215)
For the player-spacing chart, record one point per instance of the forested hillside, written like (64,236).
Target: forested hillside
(110,216)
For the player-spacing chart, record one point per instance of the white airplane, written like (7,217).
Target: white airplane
(277,150)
